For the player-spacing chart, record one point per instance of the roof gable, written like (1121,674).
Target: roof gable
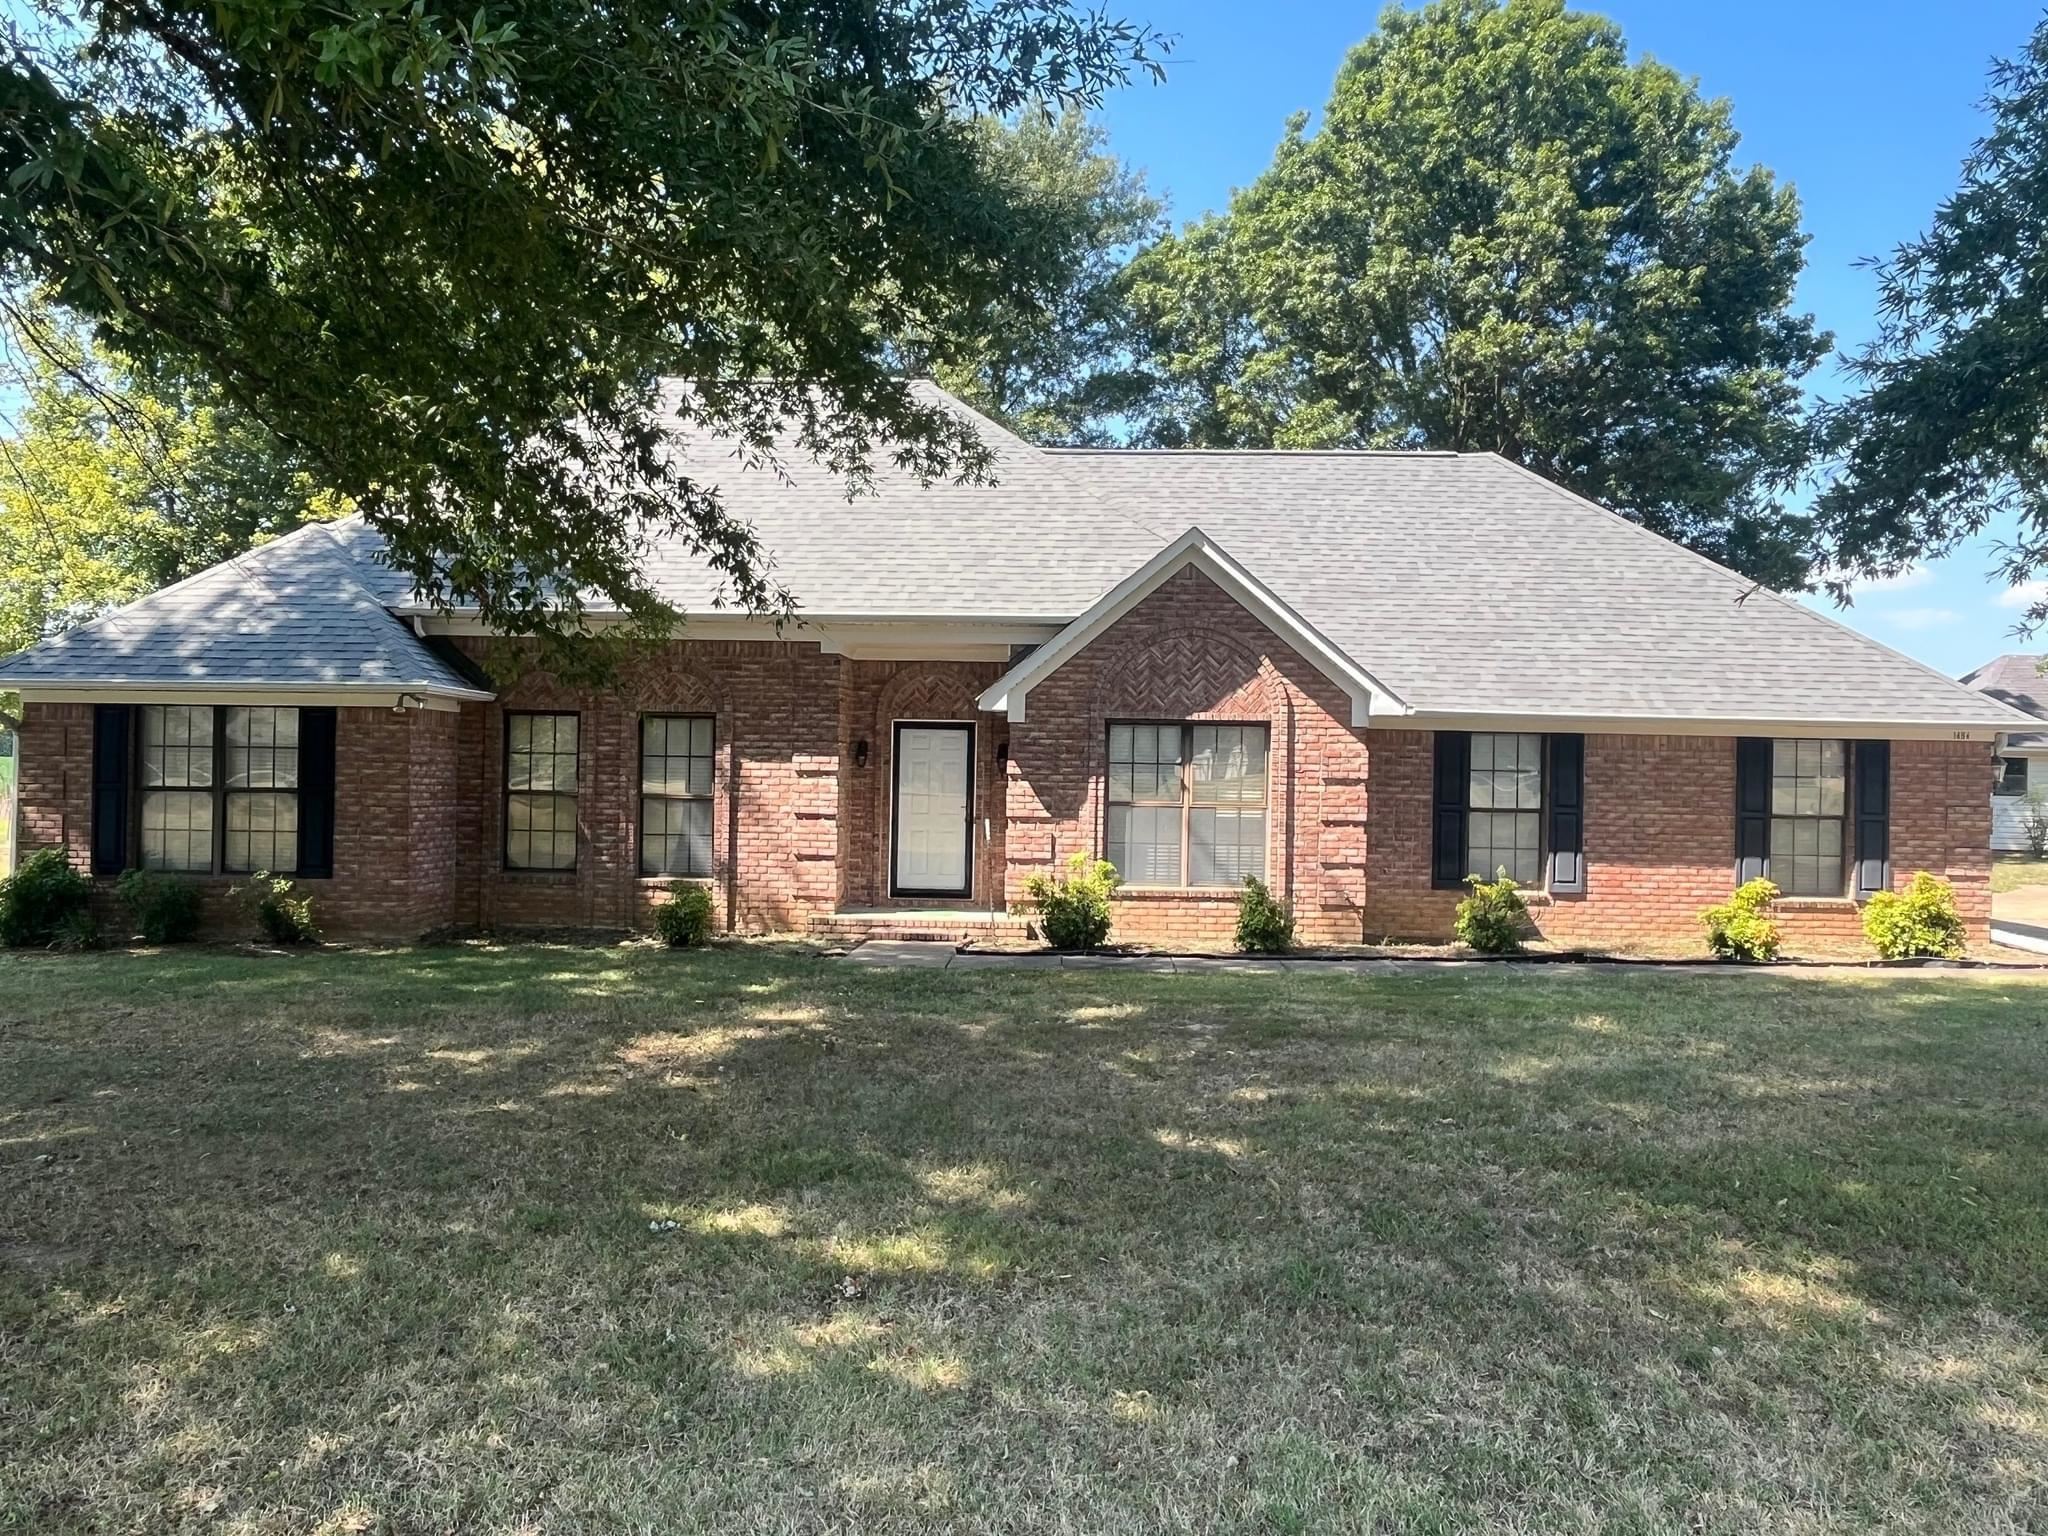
(1193,550)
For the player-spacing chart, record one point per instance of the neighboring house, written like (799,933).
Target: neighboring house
(1361,676)
(2022,765)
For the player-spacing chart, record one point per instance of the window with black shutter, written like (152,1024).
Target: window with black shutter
(1513,802)
(1873,805)
(1567,787)
(112,734)
(1812,815)
(316,793)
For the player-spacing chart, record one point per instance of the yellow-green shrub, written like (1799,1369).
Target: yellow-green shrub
(1922,922)
(1741,928)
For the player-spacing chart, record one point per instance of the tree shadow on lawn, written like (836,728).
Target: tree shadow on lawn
(1121,1251)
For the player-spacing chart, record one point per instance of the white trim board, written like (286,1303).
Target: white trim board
(379,697)
(1369,697)
(908,639)
(1692,725)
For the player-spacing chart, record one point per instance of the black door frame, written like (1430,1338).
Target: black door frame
(896,886)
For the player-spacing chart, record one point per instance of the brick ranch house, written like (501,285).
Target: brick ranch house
(1361,676)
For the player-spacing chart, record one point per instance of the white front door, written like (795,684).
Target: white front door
(932,781)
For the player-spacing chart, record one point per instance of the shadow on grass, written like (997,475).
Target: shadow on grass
(1538,1243)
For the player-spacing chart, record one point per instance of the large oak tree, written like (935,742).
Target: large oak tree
(444,251)
(1505,235)
(1946,432)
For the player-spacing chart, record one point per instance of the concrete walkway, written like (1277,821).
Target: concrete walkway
(912,954)
(2019,918)
(2027,936)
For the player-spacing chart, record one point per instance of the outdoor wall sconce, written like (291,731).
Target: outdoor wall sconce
(860,753)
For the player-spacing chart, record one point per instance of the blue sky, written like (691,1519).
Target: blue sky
(1866,106)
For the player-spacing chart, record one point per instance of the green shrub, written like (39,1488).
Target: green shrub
(165,909)
(78,930)
(1741,928)
(1922,922)
(2034,822)
(1073,909)
(1491,919)
(281,916)
(684,920)
(1265,924)
(39,898)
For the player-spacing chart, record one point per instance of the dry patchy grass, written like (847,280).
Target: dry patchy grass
(2010,871)
(545,1240)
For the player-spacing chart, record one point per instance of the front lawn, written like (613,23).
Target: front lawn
(551,1240)
(2010,871)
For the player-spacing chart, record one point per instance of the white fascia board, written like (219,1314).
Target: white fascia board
(859,639)
(1695,725)
(1010,693)
(362,696)
(935,640)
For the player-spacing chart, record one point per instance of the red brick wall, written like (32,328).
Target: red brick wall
(55,783)
(393,852)
(1660,841)
(874,696)
(418,834)
(1191,652)
(739,685)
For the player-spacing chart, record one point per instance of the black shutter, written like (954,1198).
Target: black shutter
(316,793)
(1752,809)
(112,729)
(1447,838)
(1873,818)
(1568,814)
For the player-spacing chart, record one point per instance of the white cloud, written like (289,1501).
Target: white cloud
(1918,618)
(2025,595)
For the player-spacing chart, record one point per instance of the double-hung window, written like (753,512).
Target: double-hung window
(1809,804)
(177,786)
(1187,803)
(1513,801)
(262,790)
(1504,806)
(540,791)
(219,788)
(675,795)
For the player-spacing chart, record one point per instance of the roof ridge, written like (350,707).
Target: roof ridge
(1751,588)
(1043,452)
(1109,451)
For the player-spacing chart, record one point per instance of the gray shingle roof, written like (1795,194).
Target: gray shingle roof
(1037,542)
(294,613)
(2016,679)
(1459,581)
(1466,583)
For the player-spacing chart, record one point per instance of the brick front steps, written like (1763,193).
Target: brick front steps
(956,925)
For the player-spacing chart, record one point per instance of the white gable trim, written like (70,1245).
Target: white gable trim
(1008,694)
